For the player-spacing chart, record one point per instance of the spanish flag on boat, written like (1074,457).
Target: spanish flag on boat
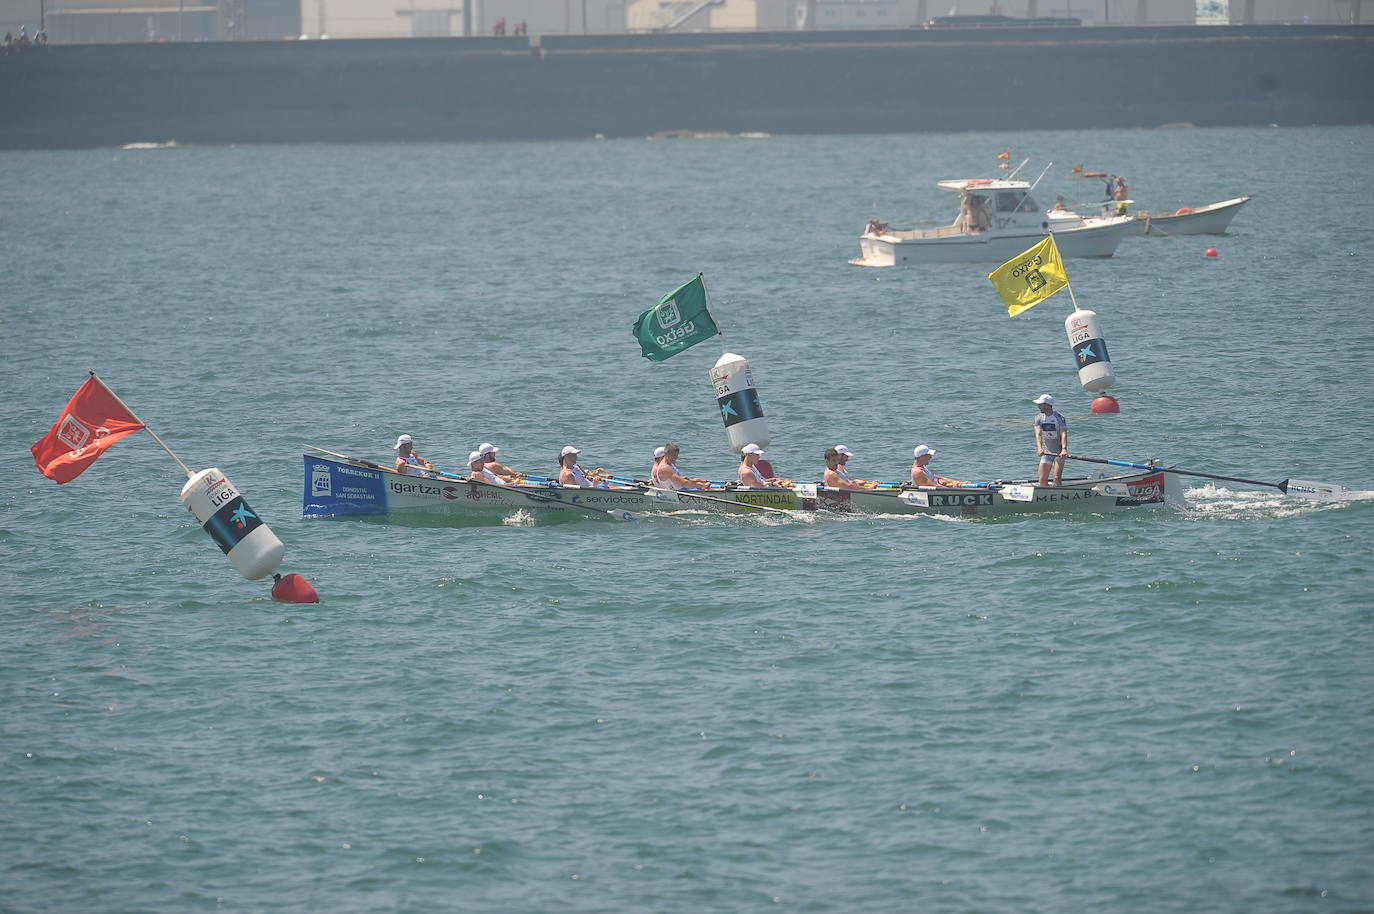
(1030,277)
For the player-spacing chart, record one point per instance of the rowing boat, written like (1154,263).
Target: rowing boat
(342,486)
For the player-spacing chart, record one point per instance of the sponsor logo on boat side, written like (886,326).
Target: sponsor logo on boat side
(960,499)
(767,499)
(321,481)
(1150,489)
(413,488)
(449,492)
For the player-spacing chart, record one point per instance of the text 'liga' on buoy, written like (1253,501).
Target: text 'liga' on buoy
(292,588)
(1210,252)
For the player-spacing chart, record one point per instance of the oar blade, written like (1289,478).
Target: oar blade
(1316,491)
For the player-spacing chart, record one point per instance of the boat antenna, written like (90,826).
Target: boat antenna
(1027,191)
(1011,176)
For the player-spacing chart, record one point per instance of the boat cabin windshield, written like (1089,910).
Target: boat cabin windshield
(1016,201)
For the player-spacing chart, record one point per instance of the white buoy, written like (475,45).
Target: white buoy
(240,533)
(733,381)
(1089,351)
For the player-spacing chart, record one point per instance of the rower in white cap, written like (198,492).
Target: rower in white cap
(658,456)
(489,462)
(842,455)
(477,469)
(409,463)
(922,476)
(1051,439)
(749,474)
(571,474)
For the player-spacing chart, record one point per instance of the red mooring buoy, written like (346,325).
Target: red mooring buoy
(1210,252)
(292,588)
(1106,404)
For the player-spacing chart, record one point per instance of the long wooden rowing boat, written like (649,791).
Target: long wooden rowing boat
(348,486)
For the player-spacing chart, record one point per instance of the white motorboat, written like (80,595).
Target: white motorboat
(998,219)
(1203,220)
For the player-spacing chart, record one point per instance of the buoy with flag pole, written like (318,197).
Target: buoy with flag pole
(1033,276)
(95,418)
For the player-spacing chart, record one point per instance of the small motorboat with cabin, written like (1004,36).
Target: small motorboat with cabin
(998,219)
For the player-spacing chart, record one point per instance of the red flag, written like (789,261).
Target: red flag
(1004,155)
(93,420)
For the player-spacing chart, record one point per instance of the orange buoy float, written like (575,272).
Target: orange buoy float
(292,588)
(1106,404)
(1210,252)
(1183,211)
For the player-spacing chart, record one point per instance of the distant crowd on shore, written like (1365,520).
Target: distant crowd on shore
(23,42)
(499,27)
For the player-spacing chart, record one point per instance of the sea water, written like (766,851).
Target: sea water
(1165,710)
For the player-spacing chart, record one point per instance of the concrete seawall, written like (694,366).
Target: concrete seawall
(636,85)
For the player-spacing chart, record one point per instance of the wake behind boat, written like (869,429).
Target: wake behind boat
(998,219)
(344,486)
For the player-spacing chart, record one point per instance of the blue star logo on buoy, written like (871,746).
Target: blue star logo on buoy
(1085,353)
(241,515)
(727,410)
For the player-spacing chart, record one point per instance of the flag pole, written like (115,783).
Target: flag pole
(1060,257)
(185,469)
(719,332)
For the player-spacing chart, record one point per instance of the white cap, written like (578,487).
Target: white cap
(923,450)
(751,449)
(569,449)
(659,452)
(1044,398)
(843,451)
(474,456)
(486,447)
(404,439)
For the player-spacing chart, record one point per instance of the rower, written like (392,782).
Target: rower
(921,475)
(835,477)
(845,453)
(488,452)
(658,457)
(749,471)
(478,471)
(409,463)
(571,474)
(666,475)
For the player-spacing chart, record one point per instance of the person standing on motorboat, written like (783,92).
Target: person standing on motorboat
(1051,439)
(409,463)
(1121,196)
(974,213)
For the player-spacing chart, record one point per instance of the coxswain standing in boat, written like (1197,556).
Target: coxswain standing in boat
(409,463)
(920,472)
(477,469)
(666,475)
(1051,439)
(488,452)
(571,474)
(749,474)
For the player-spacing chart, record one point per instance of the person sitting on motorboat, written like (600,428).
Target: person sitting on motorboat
(571,474)
(409,463)
(666,475)
(477,470)
(875,227)
(1059,206)
(488,452)
(920,472)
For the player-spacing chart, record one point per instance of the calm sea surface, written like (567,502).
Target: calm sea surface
(1170,711)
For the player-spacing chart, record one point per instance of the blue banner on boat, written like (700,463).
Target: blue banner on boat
(332,490)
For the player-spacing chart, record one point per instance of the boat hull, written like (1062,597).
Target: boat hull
(1207,220)
(1097,240)
(350,487)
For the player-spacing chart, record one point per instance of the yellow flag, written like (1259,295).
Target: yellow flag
(1030,277)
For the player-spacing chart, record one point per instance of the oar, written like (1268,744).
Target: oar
(533,496)
(1300,488)
(722,501)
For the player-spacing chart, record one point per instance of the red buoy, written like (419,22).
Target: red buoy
(292,588)
(1106,404)
(1210,252)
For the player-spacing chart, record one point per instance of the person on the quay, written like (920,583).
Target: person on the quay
(409,463)
(667,476)
(477,466)
(1051,439)
(571,474)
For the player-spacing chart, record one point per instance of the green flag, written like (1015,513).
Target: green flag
(679,320)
